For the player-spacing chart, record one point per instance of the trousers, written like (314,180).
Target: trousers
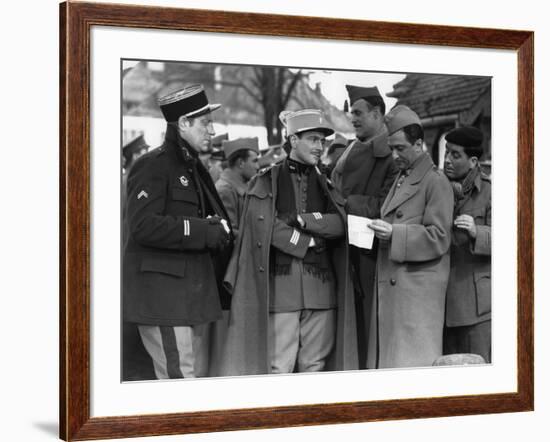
(177,352)
(301,340)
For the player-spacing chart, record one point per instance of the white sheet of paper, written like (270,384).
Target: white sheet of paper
(359,233)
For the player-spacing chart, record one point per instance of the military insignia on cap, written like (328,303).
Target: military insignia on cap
(142,194)
(184,181)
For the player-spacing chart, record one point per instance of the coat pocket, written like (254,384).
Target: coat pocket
(163,264)
(482,282)
(186,195)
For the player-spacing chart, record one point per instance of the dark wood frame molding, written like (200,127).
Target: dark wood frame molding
(76,20)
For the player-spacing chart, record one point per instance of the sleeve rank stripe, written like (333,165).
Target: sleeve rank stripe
(295,237)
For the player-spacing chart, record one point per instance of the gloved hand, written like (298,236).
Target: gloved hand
(216,236)
(293,220)
(320,245)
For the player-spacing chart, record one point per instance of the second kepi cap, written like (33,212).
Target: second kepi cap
(307,119)
(190,101)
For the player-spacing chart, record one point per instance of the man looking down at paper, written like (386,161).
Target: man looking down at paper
(292,304)
(413,256)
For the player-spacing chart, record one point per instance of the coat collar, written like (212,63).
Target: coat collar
(380,147)
(176,145)
(409,187)
(235,180)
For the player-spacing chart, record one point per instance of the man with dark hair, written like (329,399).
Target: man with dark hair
(242,165)
(468,312)
(292,304)
(364,174)
(173,259)
(412,271)
(216,162)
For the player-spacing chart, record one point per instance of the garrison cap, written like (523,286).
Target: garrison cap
(135,145)
(399,117)
(230,147)
(191,101)
(306,120)
(466,136)
(357,92)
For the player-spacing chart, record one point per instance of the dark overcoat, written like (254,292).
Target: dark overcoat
(469,290)
(246,350)
(412,271)
(169,276)
(367,175)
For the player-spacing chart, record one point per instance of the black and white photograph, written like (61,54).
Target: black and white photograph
(290,219)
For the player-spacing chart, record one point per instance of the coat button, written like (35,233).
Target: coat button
(261,217)
(399,214)
(259,244)
(392,281)
(261,269)
(270,195)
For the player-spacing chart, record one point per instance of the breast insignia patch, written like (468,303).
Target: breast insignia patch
(184,181)
(142,194)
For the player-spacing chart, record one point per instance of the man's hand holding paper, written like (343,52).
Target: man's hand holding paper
(359,233)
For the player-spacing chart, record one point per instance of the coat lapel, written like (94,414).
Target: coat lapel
(409,186)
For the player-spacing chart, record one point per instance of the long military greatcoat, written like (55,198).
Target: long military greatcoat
(364,181)
(246,349)
(412,271)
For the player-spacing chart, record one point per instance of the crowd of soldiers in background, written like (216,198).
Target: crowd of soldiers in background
(294,295)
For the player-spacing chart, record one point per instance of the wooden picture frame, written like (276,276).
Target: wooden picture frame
(76,20)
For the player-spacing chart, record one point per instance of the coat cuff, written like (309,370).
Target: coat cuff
(398,248)
(194,231)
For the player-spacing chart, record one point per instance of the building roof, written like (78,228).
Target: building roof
(432,95)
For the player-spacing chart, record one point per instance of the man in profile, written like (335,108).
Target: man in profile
(364,174)
(178,231)
(412,270)
(242,165)
(468,312)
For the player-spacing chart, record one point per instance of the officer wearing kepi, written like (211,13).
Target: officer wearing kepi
(179,236)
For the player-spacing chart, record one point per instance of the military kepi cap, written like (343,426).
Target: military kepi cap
(357,92)
(190,101)
(230,147)
(466,136)
(399,117)
(306,120)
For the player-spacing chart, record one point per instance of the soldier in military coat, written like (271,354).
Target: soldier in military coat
(413,256)
(364,174)
(179,234)
(468,313)
(292,306)
(242,165)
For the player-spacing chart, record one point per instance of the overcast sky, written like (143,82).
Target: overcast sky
(333,83)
